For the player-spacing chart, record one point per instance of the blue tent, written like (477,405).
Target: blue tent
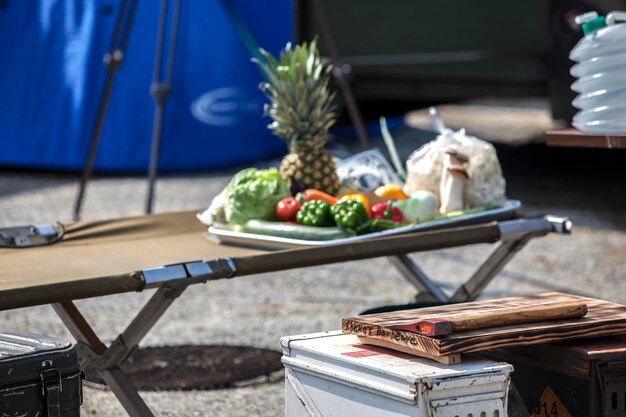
(51,77)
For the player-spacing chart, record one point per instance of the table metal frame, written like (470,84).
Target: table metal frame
(515,237)
(172,280)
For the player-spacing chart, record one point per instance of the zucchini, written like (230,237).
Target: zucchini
(295,231)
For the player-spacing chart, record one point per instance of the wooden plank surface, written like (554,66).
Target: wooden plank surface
(603,318)
(572,138)
(445,359)
(486,318)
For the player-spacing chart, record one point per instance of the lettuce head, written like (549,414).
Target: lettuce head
(253,194)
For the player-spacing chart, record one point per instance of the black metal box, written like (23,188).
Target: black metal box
(585,378)
(39,376)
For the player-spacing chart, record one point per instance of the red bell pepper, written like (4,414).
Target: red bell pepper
(386,211)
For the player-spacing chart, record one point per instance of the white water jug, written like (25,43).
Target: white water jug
(601,71)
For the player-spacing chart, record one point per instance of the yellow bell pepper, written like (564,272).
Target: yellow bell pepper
(391,192)
(361,199)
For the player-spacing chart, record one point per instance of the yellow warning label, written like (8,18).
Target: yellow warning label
(550,406)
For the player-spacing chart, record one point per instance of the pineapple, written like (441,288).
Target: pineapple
(302,109)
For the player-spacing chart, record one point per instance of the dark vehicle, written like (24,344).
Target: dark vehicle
(438,51)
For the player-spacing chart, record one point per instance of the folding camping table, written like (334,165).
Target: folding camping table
(125,255)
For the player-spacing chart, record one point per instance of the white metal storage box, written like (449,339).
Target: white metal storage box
(332,375)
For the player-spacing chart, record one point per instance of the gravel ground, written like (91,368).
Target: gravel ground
(258,310)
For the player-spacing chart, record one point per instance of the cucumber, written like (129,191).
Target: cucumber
(459,213)
(295,231)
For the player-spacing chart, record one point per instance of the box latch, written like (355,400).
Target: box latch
(613,380)
(51,389)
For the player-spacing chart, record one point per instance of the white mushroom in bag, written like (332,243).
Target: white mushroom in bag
(453,180)
(485,187)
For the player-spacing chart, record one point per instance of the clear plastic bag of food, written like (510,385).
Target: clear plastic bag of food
(485,186)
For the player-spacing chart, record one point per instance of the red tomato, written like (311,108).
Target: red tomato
(286,209)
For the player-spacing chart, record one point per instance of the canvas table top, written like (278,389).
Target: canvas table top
(112,256)
(96,257)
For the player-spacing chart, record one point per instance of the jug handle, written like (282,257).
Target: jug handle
(585,17)
(615,17)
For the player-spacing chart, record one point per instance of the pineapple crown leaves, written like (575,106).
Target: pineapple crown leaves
(301,100)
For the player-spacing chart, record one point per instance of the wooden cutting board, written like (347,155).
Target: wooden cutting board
(602,318)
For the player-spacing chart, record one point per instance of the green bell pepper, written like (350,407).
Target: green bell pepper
(315,213)
(349,214)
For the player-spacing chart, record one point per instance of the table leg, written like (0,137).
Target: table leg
(514,235)
(78,326)
(125,392)
(108,360)
(418,278)
(150,314)
(474,285)
(489,269)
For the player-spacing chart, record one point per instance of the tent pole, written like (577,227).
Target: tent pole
(112,62)
(161,89)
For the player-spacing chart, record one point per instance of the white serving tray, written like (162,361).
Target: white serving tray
(223,234)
